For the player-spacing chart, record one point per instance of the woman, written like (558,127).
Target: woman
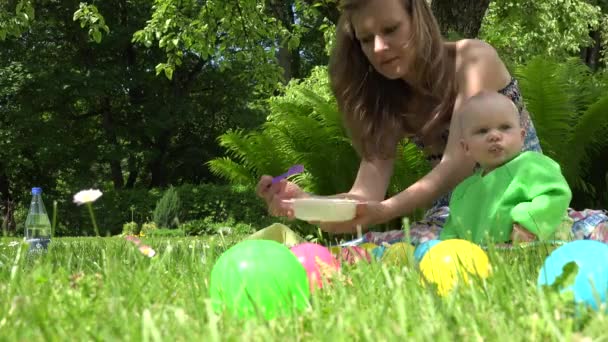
(395,77)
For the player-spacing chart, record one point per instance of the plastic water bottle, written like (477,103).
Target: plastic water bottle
(37,224)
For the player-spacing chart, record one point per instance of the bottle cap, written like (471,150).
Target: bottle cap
(36,191)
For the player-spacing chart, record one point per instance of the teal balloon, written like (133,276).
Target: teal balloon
(378,252)
(260,278)
(422,248)
(591,282)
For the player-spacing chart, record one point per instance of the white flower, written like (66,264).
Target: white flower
(87,196)
(13,243)
(147,251)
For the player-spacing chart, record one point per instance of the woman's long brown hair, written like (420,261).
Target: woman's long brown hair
(376,109)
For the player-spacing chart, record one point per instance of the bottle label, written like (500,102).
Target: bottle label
(38,245)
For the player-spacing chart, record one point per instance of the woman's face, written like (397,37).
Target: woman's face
(383,29)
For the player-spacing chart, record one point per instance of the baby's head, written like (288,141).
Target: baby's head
(491,131)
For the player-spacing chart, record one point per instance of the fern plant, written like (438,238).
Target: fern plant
(305,127)
(567,102)
(569,107)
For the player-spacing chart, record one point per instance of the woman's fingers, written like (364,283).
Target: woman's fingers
(263,187)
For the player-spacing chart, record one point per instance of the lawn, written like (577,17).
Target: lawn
(106,289)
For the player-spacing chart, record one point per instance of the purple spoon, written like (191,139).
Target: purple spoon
(294,170)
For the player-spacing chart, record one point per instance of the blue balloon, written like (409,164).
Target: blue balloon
(378,252)
(423,248)
(591,257)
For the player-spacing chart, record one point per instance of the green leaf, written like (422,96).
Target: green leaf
(293,42)
(96,36)
(159,68)
(567,278)
(169,72)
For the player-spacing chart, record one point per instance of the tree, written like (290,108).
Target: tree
(521,29)
(595,54)
(460,17)
(15,17)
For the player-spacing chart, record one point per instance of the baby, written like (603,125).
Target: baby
(513,196)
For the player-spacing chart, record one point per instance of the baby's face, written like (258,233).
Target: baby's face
(492,139)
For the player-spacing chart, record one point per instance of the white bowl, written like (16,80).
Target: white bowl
(324,209)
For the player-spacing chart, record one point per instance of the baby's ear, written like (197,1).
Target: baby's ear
(523,134)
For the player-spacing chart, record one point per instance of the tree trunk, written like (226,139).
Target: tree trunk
(591,54)
(108,127)
(158,165)
(133,173)
(288,60)
(460,17)
(284,59)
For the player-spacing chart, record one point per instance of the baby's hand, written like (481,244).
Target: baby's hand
(520,234)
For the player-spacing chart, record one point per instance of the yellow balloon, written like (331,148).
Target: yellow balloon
(399,253)
(368,246)
(450,261)
(335,250)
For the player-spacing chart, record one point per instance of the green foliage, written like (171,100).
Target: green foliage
(168,209)
(521,29)
(113,209)
(89,16)
(128,123)
(208,226)
(165,233)
(604,38)
(230,204)
(564,280)
(148,228)
(130,228)
(20,215)
(304,127)
(239,30)
(569,107)
(210,202)
(13,22)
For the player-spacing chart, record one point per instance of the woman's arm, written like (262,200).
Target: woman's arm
(451,170)
(478,67)
(370,186)
(372,179)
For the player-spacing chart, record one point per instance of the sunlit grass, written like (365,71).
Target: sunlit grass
(105,289)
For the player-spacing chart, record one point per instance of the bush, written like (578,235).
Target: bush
(163,232)
(210,202)
(167,211)
(130,228)
(208,226)
(148,228)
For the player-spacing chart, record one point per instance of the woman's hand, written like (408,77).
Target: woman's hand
(368,213)
(274,194)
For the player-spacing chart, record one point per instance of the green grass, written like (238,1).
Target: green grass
(105,289)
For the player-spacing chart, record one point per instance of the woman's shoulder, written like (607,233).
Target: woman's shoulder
(468,51)
(478,67)
(471,45)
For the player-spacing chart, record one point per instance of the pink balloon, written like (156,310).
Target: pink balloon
(354,254)
(315,258)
